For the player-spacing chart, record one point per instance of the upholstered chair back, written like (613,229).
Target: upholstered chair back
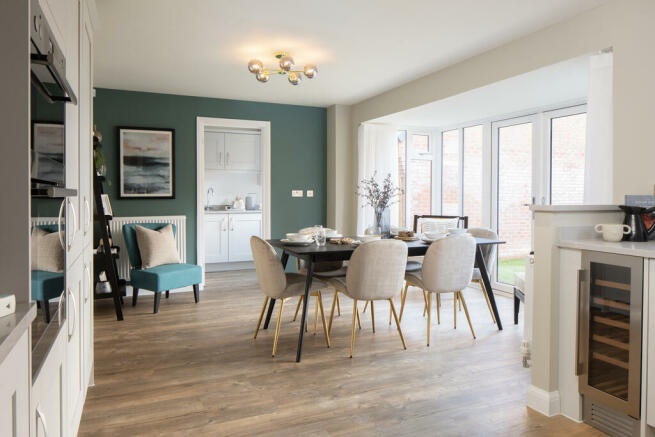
(489,251)
(270,272)
(129,235)
(376,270)
(448,263)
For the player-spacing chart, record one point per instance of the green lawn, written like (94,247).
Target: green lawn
(507,268)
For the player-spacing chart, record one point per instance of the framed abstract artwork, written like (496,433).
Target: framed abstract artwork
(47,158)
(146,163)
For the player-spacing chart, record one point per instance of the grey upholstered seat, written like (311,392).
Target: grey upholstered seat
(276,284)
(447,268)
(375,272)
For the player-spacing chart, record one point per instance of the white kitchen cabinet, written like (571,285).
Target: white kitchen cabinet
(76,383)
(242,227)
(216,238)
(242,151)
(48,410)
(214,150)
(14,390)
(87,314)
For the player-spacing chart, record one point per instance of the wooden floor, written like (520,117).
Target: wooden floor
(196,370)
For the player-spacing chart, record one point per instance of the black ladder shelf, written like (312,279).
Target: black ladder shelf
(106,254)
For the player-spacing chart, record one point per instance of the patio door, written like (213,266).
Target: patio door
(517,183)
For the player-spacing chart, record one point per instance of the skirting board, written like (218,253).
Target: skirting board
(546,403)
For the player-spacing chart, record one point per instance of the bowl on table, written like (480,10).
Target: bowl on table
(368,237)
(299,238)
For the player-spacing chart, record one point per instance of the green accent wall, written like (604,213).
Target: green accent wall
(298,153)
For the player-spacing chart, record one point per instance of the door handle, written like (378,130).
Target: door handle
(88,275)
(87,207)
(227,158)
(59,216)
(578,364)
(74,217)
(220,158)
(41,417)
(71,334)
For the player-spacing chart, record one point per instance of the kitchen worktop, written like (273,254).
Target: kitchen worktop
(234,211)
(645,249)
(14,325)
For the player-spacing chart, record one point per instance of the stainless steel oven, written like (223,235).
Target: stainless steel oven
(609,340)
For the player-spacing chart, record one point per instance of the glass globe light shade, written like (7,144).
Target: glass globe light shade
(255,66)
(310,71)
(263,76)
(294,78)
(286,63)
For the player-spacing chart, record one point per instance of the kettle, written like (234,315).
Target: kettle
(636,217)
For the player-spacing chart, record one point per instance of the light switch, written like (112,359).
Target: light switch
(296,193)
(310,193)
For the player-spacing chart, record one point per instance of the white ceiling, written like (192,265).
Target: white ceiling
(564,82)
(361,47)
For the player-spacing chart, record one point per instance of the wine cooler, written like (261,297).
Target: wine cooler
(609,341)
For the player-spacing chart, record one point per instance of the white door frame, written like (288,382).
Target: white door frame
(264,128)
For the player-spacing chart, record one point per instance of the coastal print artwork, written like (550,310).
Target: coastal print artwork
(146,163)
(47,163)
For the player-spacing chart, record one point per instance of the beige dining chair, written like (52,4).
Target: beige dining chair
(321,271)
(447,268)
(375,272)
(489,252)
(276,284)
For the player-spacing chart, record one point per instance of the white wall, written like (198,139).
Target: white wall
(623,25)
(341,170)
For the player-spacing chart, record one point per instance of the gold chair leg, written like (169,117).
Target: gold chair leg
(277,327)
(334,301)
(352,329)
(261,315)
(338,305)
(425,303)
(455,311)
(403,296)
(365,306)
(436,296)
(359,322)
(372,317)
(316,317)
(429,315)
(466,311)
(325,330)
(484,293)
(298,307)
(460,304)
(390,315)
(400,332)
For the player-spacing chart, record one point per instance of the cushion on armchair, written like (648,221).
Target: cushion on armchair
(156,247)
(166,277)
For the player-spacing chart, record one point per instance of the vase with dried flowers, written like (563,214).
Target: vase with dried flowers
(380,197)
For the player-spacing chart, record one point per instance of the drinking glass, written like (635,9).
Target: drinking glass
(319,235)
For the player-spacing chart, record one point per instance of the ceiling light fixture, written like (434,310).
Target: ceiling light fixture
(256,67)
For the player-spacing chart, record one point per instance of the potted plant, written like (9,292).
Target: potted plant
(380,197)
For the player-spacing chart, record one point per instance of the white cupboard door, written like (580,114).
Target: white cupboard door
(242,151)
(216,241)
(15,389)
(214,150)
(85,102)
(87,315)
(649,291)
(242,227)
(74,325)
(48,400)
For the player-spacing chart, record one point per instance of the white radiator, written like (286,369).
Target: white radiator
(116,226)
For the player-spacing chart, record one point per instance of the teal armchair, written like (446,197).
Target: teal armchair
(161,278)
(46,285)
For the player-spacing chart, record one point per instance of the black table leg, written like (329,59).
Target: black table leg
(271,305)
(479,259)
(308,286)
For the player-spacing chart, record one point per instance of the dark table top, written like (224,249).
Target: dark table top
(331,252)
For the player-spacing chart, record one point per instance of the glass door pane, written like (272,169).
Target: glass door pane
(402,177)
(514,144)
(450,174)
(472,180)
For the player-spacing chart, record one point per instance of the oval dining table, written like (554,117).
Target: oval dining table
(342,252)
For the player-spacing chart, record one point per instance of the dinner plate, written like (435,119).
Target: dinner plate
(288,242)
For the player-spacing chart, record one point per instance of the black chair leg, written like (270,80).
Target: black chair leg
(196,292)
(46,310)
(168,292)
(517,304)
(135,295)
(157,299)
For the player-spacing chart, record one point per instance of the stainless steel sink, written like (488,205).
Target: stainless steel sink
(215,208)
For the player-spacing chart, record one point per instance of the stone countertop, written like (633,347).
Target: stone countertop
(14,325)
(644,249)
(234,211)
(574,208)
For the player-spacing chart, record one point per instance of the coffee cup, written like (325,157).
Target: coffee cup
(612,232)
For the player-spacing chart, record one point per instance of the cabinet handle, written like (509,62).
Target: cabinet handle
(74,217)
(220,158)
(41,417)
(71,334)
(88,288)
(227,158)
(87,206)
(61,210)
(578,364)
